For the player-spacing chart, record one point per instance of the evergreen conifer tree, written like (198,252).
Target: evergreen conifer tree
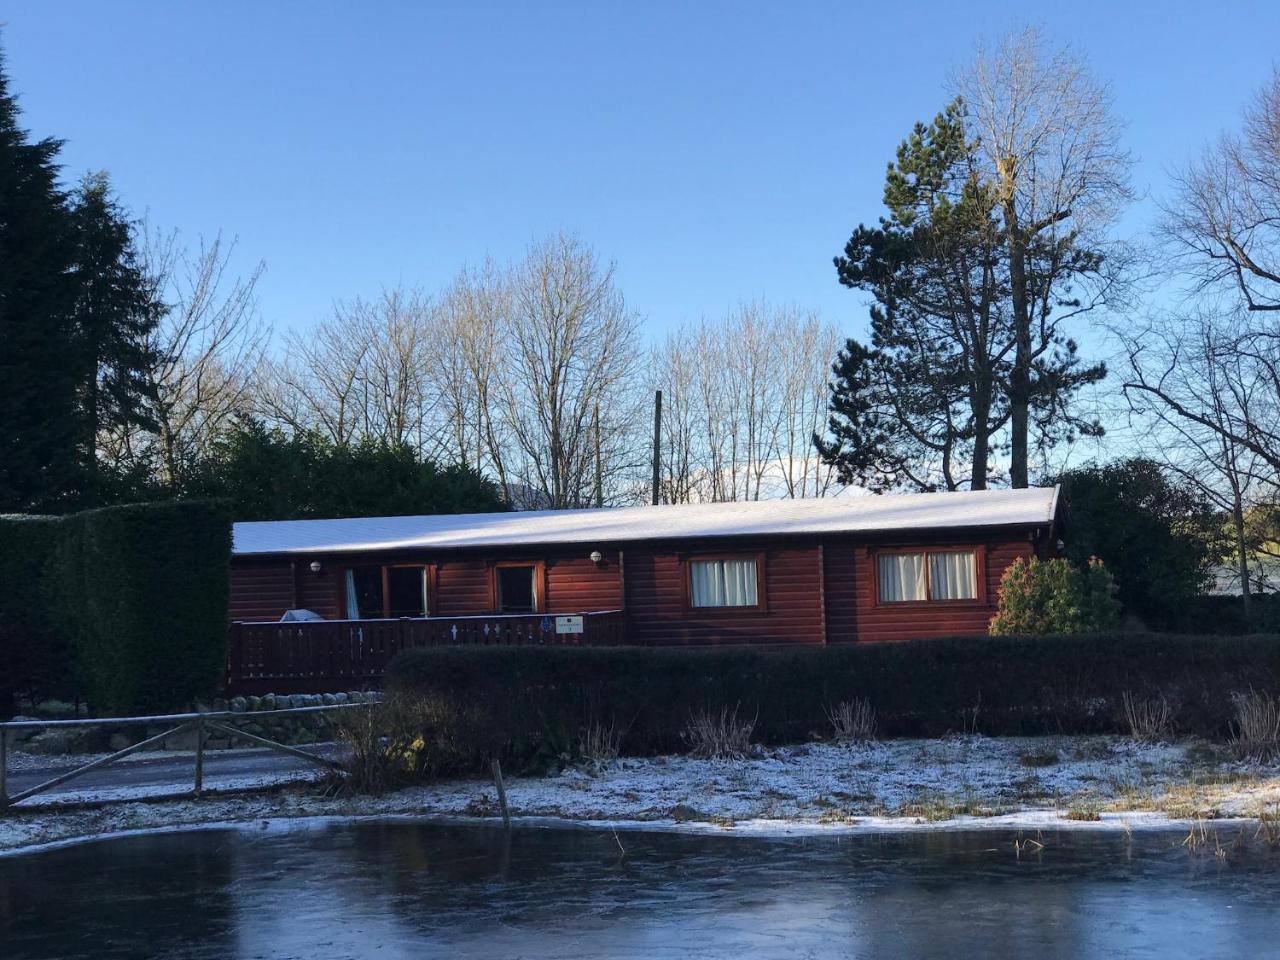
(39,415)
(76,314)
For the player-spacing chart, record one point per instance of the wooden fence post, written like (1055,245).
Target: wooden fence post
(502,795)
(199,785)
(235,657)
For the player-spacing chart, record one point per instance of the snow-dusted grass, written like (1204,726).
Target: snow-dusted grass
(1091,783)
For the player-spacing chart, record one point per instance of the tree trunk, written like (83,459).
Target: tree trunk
(90,492)
(1242,554)
(1020,377)
(981,407)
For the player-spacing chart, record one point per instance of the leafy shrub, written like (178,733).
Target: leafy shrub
(1054,596)
(1159,535)
(401,740)
(533,702)
(1099,608)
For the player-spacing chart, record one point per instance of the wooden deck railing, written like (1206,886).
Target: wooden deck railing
(320,656)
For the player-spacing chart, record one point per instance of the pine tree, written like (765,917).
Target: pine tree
(927,402)
(76,314)
(39,419)
(920,404)
(116,313)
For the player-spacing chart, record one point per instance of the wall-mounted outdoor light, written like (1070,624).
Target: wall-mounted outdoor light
(596,556)
(315,566)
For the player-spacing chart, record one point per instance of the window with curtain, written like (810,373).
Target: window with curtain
(364,593)
(953,576)
(902,577)
(390,591)
(928,575)
(723,583)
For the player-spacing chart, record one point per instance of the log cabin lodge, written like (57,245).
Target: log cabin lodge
(835,570)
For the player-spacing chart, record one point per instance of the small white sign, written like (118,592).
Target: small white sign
(569,624)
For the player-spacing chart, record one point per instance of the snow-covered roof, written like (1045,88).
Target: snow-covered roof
(846,514)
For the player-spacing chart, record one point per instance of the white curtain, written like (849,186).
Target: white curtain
(902,577)
(953,576)
(723,583)
(353,601)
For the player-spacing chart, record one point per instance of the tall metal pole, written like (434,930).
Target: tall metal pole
(657,444)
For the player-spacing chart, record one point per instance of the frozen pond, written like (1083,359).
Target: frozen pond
(398,890)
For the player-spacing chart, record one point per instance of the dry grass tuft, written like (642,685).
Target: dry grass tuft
(1150,721)
(854,721)
(1083,808)
(1027,845)
(1038,758)
(718,734)
(1256,731)
(1269,824)
(600,746)
(930,807)
(1200,840)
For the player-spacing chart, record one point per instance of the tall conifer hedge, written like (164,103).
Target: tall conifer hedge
(33,656)
(136,595)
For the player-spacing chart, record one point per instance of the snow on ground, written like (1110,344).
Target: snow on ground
(948,783)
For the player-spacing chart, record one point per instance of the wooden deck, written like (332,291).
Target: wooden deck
(323,656)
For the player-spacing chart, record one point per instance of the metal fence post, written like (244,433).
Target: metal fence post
(4,769)
(199,787)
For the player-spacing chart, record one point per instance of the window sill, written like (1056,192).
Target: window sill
(716,612)
(895,604)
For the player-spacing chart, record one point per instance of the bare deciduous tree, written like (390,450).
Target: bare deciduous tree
(1205,387)
(1207,375)
(208,347)
(1225,220)
(476,311)
(533,373)
(570,347)
(673,369)
(364,372)
(319,384)
(401,406)
(806,349)
(742,398)
(1052,146)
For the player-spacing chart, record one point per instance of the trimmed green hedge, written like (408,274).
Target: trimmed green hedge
(143,590)
(518,696)
(139,594)
(34,657)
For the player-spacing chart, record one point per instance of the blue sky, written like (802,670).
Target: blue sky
(717,152)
